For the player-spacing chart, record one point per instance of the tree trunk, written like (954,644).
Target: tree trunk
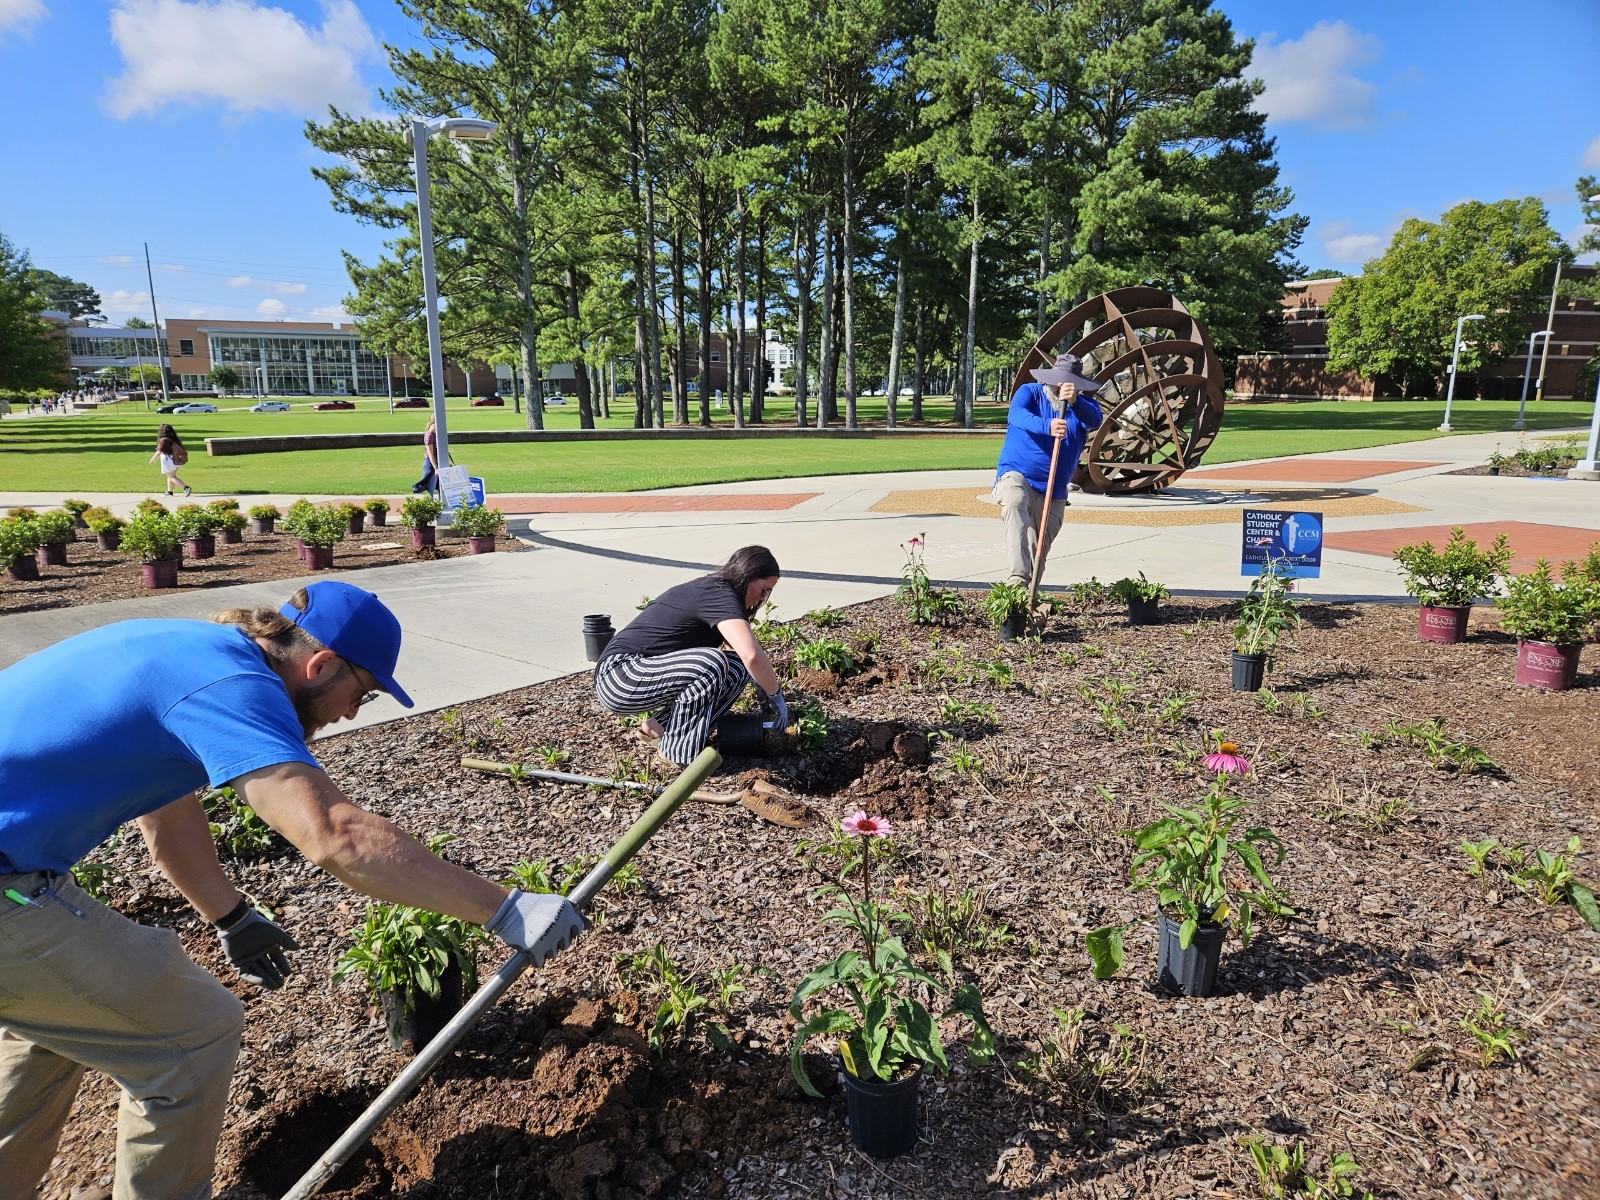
(826,396)
(969,346)
(758,390)
(580,369)
(921,361)
(651,305)
(805,267)
(680,332)
(702,233)
(898,333)
(847,281)
(736,357)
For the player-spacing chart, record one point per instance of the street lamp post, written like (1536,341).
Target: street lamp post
(1527,370)
(417,135)
(1455,357)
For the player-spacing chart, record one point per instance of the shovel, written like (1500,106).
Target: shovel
(629,844)
(760,797)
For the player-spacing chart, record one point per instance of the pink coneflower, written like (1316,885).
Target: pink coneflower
(864,826)
(1227,760)
(916,541)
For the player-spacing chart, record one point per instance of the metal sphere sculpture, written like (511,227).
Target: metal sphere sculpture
(1160,387)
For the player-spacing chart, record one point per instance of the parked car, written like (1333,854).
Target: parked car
(270,406)
(414,402)
(168,408)
(488,402)
(332,404)
(193,407)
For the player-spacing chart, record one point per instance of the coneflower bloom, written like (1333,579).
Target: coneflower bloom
(862,825)
(1227,761)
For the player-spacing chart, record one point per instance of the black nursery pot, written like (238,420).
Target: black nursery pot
(1143,612)
(742,733)
(1191,972)
(597,631)
(1012,627)
(1248,671)
(883,1116)
(410,1032)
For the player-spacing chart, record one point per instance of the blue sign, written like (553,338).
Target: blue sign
(1295,537)
(477,490)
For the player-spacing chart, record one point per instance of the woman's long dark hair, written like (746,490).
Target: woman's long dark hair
(746,564)
(167,431)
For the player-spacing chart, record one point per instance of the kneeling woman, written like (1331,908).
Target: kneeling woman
(688,656)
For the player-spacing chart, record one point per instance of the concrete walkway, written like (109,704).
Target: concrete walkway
(483,625)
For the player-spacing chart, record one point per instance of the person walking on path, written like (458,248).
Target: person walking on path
(162,710)
(172,455)
(687,657)
(1057,406)
(430,459)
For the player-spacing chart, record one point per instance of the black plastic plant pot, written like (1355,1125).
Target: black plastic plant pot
(1248,671)
(597,632)
(410,1032)
(1143,612)
(883,1116)
(1012,627)
(1191,972)
(742,733)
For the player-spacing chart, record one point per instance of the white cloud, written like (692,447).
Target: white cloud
(1313,79)
(199,312)
(175,267)
(1591,156)
(276,286)
(122,303)
(15,15)
(245,55)
(270,308)
(1346,247)
(117,260)
(330,312)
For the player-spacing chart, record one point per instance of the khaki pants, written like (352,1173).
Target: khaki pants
(81,986)
(1020,509)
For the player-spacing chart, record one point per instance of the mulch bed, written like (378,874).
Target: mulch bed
(1516,470)
(93,575)
(1339,1028)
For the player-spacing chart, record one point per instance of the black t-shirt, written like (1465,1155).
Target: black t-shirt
(681,618)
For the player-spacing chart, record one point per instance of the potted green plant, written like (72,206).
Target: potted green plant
(106,525)
(263,518)
(321,530)
(232,527)
(1265,614)
(198,528)
(887,1036)
(418,513)
(377,511)
(294,524)
(1498,461)
(1142,597)
(1007,607)
(478,524)
(77,508)
(1185,856)
(224,504)
(19,544)
(154,537)
(54,530)
(1551,618)
(150,505)
(418,964)
(355,517)
(1446,582)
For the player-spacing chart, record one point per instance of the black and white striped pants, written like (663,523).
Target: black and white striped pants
(686,690)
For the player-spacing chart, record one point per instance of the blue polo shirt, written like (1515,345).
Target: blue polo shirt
(120,721)
(1026,449)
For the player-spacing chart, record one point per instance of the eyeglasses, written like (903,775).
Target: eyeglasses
(366,697)
(763,590)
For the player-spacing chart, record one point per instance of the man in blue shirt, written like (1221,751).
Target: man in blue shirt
(161,711)
(1057,406)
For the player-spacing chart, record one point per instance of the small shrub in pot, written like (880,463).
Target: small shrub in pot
(1446,582)
(354,515)
(377,509)
(1142,597)
(418,514)
(264,517)
(1552,618)
(233,524)
(478,522)
(106,526)
(198,527)
(77,508)
(54,530)
(1265,614)
(1007,608)
(154,538)
(19,543)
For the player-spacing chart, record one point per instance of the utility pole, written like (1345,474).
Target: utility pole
(161,338)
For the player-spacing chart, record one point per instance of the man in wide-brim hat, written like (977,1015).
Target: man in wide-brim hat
(1059,405)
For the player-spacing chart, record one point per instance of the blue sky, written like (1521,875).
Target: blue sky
(179,123)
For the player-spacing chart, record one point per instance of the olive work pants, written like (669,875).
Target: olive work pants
(1020,508)
(82,986)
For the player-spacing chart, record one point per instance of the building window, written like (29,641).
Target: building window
(716,356)
(185,347)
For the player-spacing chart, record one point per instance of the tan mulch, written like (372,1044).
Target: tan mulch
(1173,510)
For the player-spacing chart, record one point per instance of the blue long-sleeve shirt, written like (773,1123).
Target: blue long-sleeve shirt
(1026,449)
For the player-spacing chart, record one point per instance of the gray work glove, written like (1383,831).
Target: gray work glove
(779,709)
(537,922)
(255,946)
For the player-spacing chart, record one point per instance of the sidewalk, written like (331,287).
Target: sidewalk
(483,625)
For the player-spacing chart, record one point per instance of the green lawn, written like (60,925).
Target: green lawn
(108,451)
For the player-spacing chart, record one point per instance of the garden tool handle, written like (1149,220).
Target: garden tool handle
(1044,525)
(411,1078)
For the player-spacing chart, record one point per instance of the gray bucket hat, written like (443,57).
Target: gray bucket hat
(1066,370)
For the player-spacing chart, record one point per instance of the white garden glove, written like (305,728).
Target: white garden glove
(780,710)
(536,922)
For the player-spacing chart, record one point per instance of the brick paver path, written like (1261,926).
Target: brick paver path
(1529,541)
(1310,470)
(748,502)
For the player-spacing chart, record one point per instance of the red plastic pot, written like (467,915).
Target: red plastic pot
(1443,623)
(480,545)
(202,547)
(1541,665)
(300,550)
(163,573)
(319,558)
(53,554)
(422,536)
(23,569)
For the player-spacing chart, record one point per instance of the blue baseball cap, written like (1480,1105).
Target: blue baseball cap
(356,626)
